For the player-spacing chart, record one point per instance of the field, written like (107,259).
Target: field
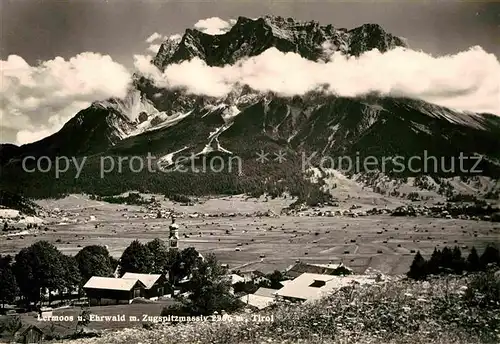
(381,242)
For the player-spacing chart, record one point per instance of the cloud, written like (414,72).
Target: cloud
(38,100)
(142,64)
(468,80)
(154,48)
(154,37)
(214,25)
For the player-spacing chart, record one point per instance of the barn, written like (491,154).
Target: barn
(155,285)
(112,291)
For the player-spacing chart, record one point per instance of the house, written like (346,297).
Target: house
(155,285)
(236,279)
(262,298)
(109,290)
(268,292)
(31,334)
(257,301)
(309,287)
(252,275)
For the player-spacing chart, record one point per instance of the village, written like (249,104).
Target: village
(205,265)
(130,299)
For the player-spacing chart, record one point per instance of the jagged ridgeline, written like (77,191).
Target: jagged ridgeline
(178,128)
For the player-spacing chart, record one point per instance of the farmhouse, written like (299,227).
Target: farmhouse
(109,290)
(252,275)
(262,298)
(155,285)
(257,301)
(309,287)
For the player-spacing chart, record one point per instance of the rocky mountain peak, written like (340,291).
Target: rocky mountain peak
(250,37)
(167,50)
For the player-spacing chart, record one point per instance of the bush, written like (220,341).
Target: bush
(133,198)
(180,198)
(483,289)
(9,325)
(245,287)
(341,271)
(175,310)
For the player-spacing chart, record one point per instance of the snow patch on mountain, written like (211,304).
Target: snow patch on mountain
(172,120)
(131,106)
(230,112)
(142,115)
(168,159)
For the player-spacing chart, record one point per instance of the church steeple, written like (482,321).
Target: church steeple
(173,237)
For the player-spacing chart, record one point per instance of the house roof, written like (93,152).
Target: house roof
(111,283)
(257,301)
(265,292)
(25,328)
(236,278)
(300,268)
(147,279)
(252,273)
(300,287)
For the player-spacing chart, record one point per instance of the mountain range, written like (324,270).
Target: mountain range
(172,123)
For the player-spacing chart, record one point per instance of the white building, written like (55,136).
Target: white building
(309,287)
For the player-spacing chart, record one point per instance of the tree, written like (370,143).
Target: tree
(446,259)
(435,262)
(275,278)
(136,258)
(181,264)
(94,261)
(491,255)
(418,268)
(189,257)
(457,262)
(8,284)
(341,271)
(159,251)
(245,287)
(210,289)
(72,278)
(38,267)
(473,261)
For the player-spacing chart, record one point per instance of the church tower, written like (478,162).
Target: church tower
(173,237)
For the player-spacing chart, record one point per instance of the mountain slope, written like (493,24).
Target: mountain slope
(92,130)
(180,129)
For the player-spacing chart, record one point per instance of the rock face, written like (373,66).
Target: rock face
(250,37)
(171,123)
(143,117)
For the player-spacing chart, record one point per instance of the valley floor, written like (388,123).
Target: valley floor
(381,242)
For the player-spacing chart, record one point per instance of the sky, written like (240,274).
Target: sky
(64,36)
